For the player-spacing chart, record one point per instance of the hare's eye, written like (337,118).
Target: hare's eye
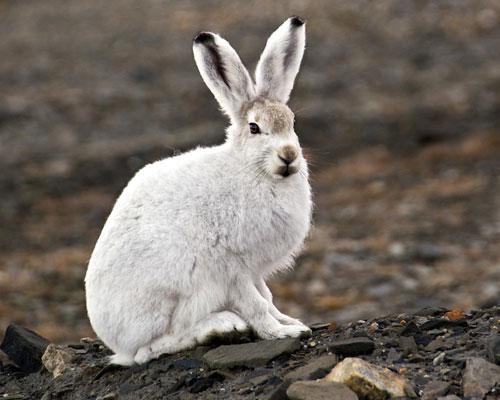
(254,128)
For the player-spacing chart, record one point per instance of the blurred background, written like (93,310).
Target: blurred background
(398,103)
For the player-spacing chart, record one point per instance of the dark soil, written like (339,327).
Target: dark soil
(437,352)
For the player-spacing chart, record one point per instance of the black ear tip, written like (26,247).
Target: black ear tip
(203,37)
(297,21)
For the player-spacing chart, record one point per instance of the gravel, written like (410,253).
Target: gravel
(462,370)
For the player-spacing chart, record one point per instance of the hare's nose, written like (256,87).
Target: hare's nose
(287,161)
(288,154)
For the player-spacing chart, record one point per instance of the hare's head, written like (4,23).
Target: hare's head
(262,124)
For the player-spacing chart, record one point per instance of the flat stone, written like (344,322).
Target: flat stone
(279,393)
(198,385)
(370,381)
(422,339)
(410,329)
(493,348)
(434,389)
(353,346)
(259,379)
(320,390)
(439,344)
(393,355)
(428,252)
(439,323)
(319,325)
(407,345)
(431,311)
(5,360)
(250,354)
(314,370)
(24,347)
(57,359)
(449,397)
(187,363)
(479,377)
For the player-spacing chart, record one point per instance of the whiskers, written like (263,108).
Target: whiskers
(255,169)
(259,169)
(303,174)
(302,111)
(310,156)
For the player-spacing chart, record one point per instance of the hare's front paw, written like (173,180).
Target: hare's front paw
(286,331)
(286,320)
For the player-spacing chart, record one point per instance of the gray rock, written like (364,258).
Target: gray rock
(407,345)
(428,252)
(440,323)
(493,348)
(198,385)
(319,325)
(434,389)
(320,390)
(439,344)
(449,397)
(279,393)
(370,381)
(187,363)
(479,377)
(259,379)
(24,347)
(431,311)
(314,370)
(410,329)
(353,346)
(393,355)
(250,354)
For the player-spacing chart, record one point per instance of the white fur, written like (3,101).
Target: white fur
(280,62)
(242,88)
(187,248)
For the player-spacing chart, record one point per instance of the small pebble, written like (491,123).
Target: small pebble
(439,358)
(373,327)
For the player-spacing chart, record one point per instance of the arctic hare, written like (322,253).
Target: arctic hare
(186,250)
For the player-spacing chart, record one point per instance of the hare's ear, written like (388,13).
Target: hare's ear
(223,72)
(280,61)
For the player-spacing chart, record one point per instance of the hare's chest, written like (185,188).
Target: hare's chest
(290,214)
(279,222)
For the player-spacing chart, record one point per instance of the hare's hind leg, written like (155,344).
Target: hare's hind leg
(166,344)
(218,324)
(213,325)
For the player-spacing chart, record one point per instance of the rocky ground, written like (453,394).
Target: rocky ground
(397,102)
(434,353)
(398,105)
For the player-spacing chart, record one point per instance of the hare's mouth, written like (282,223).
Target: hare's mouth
(286,170)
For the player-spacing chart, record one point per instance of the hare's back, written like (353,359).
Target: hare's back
(174,184)
(168,197)
(160,214)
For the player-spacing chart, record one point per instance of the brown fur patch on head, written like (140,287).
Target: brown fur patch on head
(274,116)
